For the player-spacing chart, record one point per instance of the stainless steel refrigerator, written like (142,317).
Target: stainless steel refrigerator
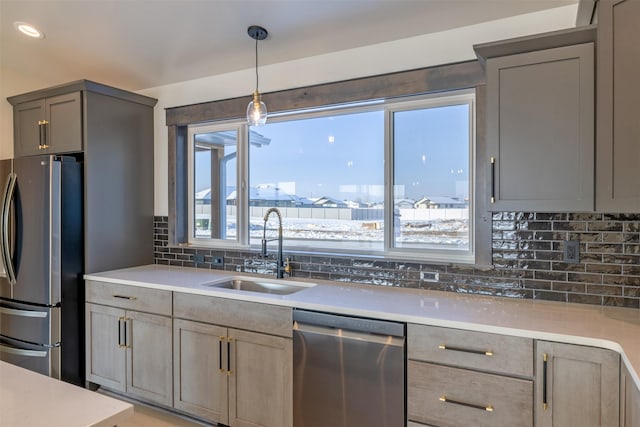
(41,247)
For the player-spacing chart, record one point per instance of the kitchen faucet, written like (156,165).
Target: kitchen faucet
(280,266)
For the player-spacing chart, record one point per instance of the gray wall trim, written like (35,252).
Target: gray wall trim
(461,75)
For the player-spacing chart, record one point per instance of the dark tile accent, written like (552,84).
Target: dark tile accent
(631,291)
(632,227)
(604,248)
(584,278)
(584,299)
(550,296)
(527,261)
(551,275)
(537,284)
(621,302)
(633,270)
(622,217)
(569,287)
(621,280)
(604,290)
(551,216)
(604,226)
(604,268)
(570,226)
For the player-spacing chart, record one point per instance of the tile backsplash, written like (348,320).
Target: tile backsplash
(527,254)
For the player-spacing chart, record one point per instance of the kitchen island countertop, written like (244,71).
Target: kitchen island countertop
(30,399)
(612,328)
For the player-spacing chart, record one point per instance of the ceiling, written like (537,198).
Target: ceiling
(138,44)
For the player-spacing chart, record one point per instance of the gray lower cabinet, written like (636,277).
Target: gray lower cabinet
(462,378)
(50,125)
(200,370)
(129,340)
(629,400)
(539,122)
(576,386)
(618,128)
(227,373)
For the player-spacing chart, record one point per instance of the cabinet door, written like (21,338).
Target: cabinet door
(581,386)
(618,126)
(48,126)
(105,358)
(149,357)
(64,130)
(26,117)
(540,113)
(260,381)
(629,401)
(200,370)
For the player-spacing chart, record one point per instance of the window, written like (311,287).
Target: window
(326,175)
(432,153)
(390,178)
(213,184)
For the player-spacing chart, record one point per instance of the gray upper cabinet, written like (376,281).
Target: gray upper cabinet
(618,127)
(111,132)
(576,386)
(540,134)
(50,125)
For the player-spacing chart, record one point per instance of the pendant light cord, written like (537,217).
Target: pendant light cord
(256,65)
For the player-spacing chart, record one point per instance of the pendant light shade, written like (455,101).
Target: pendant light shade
(257,110)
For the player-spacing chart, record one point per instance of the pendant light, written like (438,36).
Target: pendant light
(257,110)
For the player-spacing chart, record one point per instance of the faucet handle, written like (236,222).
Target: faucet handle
(263,252)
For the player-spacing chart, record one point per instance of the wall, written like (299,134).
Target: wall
(527,258)
(411,53)
(526,247)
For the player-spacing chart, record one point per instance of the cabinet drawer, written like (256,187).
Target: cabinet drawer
(441,395)
(129,297)
(252,316)
(468,349)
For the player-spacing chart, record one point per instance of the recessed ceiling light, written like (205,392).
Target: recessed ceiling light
(28,30)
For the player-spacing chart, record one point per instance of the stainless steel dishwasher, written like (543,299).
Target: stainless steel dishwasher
(348,371)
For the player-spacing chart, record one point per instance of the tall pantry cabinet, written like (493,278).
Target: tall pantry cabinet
(111,132)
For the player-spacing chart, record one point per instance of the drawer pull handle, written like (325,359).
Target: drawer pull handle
(466,350)
(492,198)
(229,339)
(121,320)
(488,408)
(545,362)
(220,354)
(125,297)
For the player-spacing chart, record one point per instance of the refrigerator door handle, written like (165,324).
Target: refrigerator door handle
(22,351)
(22,313)
(9,191)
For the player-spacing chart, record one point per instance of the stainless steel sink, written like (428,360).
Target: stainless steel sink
(263,286)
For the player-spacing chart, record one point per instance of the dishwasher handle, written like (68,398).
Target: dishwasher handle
(354,324)
(345,334)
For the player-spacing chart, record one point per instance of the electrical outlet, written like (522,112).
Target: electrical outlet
(571,251)
(429,276)
(198,258)
(217,260)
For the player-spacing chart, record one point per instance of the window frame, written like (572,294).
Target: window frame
(389,107)
(242,230)
(443,99)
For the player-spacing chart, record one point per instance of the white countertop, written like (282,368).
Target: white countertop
(29,399)
(613,328)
